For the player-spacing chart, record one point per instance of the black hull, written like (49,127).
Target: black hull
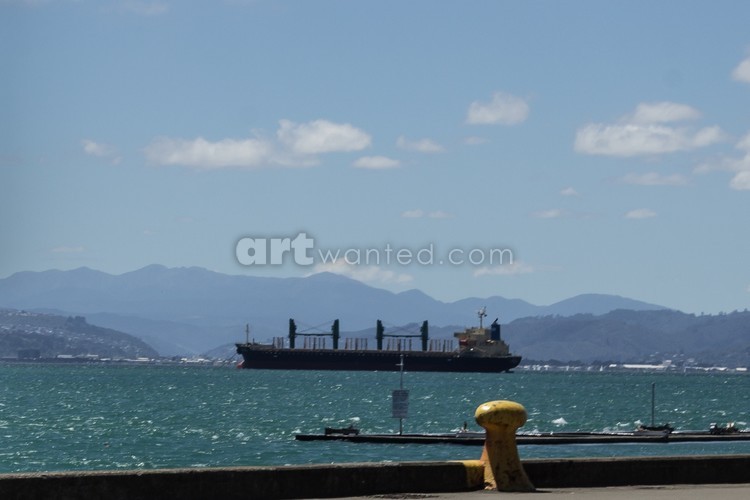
(327,359)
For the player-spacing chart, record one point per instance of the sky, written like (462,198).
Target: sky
(528,149)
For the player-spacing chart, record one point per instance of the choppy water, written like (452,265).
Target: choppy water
(65,417)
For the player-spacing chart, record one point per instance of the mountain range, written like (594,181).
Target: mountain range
(181,311)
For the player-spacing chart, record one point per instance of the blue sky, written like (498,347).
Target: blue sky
(605,145)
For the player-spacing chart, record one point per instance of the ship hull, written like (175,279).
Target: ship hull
(258,357)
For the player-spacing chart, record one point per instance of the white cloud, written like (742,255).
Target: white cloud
(100,150)
(568,191)
(739,165)
(744,143)
(321,136)
(297,146)
(741,181)
(724,165)
(515,268)
(95,149)
(553,213)
(644,132)
(634,139)
(421,145)
(376,162)
(742,72)
(707,136)
(640,213)
(663,112)
(412,214)
(363,273)
(654,179)
(202,154)
(503,109)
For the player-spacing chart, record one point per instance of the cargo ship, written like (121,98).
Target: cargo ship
(479,349)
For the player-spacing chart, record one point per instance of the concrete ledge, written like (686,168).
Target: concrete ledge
(327,481)
(321,481)
(602,472)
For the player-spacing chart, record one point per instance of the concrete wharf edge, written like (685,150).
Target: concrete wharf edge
(361,479)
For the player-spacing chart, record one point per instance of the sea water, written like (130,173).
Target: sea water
(93,417)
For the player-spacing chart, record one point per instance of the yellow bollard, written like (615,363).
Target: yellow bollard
(502,466)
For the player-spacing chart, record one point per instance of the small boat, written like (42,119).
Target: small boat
(654,429)
(343,431)
(717,429)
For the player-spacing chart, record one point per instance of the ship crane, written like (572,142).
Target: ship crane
(313,332)
(423,334)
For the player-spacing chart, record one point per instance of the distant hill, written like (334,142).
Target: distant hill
(49,336)
(634,337)
(192,310)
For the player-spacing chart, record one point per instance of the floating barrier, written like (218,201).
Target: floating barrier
(552,438)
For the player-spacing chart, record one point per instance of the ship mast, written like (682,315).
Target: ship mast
(482,313)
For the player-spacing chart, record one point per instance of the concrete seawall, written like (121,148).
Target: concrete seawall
(321,481)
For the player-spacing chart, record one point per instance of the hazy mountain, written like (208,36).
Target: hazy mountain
(597,304)
(191,310)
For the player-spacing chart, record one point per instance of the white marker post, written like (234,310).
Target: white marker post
(400,400)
